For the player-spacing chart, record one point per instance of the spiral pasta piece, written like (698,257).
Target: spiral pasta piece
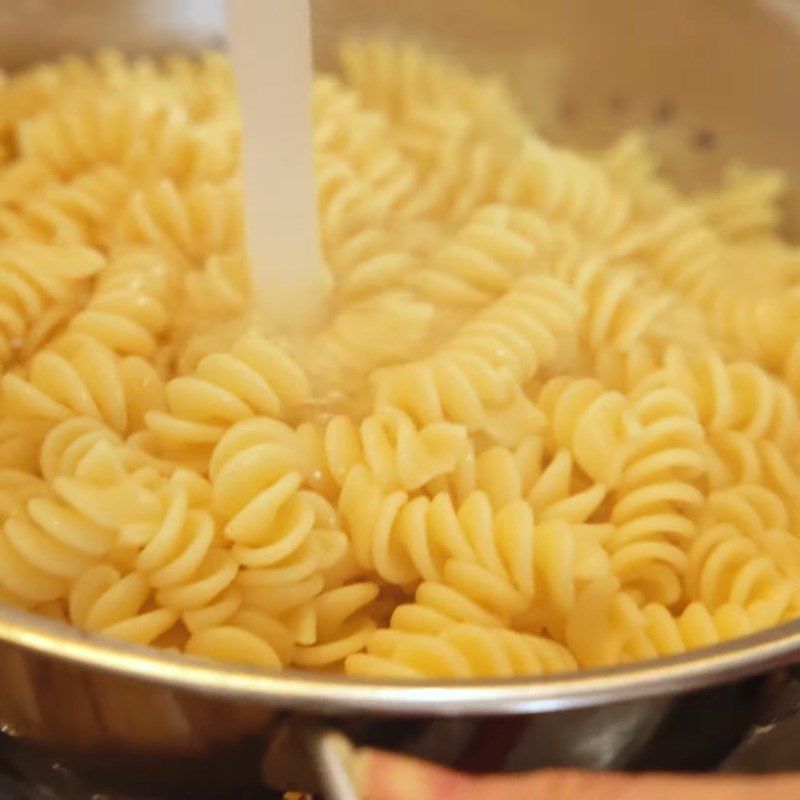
(459,173)
(143,138)
(520,333)
(682,250)
(105,602)
(343,628)
(738,396)
(98,130)
(178,552)
(567,187)
(396,452)
(371,262)
(664,634)
(554,486)
(623,305)
(747,205)
(190,225)
(250,638)
(461,652)
(601,624)
(369,335)
(474,378)
(68,443)
(404,79)
(374,518)
(404,538)
(623,309)
(480,263)
(283,538)
(633,164)
(724,567)
(344,204)
(75,213)
(734,459)
(52,540)
(652,505)
(255,377)
(87,379)
(752,312)
(750,508)
(129,310)
(480,565)
(362,138)
(35,279)
(256,491)
(595,425)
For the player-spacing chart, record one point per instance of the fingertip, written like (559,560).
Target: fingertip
(382,776)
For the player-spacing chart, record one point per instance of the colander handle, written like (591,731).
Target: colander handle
(331,754)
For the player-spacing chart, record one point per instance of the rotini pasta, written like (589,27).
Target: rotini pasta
(369,335)
(481,262)
(740,396)
(652,506)
(594,424)
(34,279)
(726,567)
(397,454)
(463,651)
(86,379)
(52,540)
(567,187)
(255,377)
(105,602)
(549,418)
(76,212)
(128,311)
(747,206)
(474,378)
(190,225)
(664,634)
(178,553)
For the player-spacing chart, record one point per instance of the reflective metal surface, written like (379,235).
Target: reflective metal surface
(134,719)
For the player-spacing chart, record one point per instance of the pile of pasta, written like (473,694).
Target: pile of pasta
(551,420)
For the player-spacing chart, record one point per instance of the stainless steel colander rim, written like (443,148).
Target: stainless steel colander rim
(331,694)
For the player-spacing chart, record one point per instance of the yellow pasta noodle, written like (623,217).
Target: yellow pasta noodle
(550,418)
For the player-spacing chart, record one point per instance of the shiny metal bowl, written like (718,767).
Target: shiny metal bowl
(712,80)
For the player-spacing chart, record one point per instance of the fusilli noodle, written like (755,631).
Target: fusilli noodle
(549,418)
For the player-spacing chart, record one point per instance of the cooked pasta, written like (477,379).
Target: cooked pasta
(49,541)
(388,443)
(85,379)
(594,424)
(188,224)
(748,205)
(653,504)
(549,419)
(726,567)
(128,310)
(462,651)
(104,601)
(75,212)
(477,265)
(739,395)
(567,187)
(255,377)
(34,279)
